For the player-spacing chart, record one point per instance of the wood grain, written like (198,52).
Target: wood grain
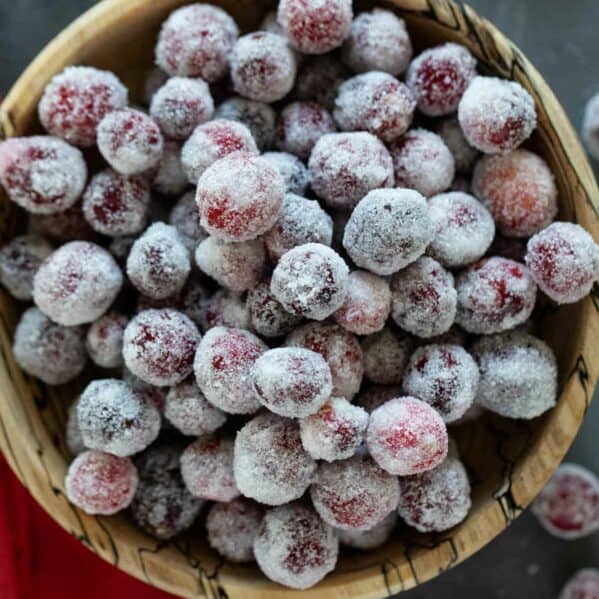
(508,461)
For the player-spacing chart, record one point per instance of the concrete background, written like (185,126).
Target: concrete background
(561,40)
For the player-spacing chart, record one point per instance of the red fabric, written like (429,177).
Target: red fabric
(38,559)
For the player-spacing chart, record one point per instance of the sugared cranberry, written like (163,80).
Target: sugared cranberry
(101,483)
(494,295)
(223,368)
(240,197)
(583,585)
(319,79)
(196,41)
(564,261)
(496,115)
(464,155)
(61,227)
(104,341)
(385,356)
(439,77)
(76,100)
(406,436)
(270,465)
(43,175)
(292,381)
(114,204)
(53,353)
(344,167)
(159,346)
(77,283)
(388,230)
(186,218)
(294,171)
(170,178)
(518,374)
(223,309)
(366,540)
(315,27)
(375,102)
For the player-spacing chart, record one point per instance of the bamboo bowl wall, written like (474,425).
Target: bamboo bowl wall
(509,461)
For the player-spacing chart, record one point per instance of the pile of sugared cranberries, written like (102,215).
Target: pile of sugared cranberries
(262,238)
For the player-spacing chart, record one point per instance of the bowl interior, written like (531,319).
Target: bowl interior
(508,461)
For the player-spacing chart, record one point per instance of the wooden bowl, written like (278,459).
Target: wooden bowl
(509,461)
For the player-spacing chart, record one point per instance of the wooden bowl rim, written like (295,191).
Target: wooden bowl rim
(26,461)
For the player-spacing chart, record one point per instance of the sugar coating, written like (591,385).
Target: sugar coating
(76,100)
(162,506)
(367,303)
(69,225)
(207,469)
(568,507)
(294,171)
(185,216)
(196,41)
(236,266)
(300,125)
(317,26)
(310,280)
(294,547)
(386,354)
(334,432)
(518,374)
(212,141)
(258,117)
(377,41)
(116,419)
(439,76)
(101,483)
(189,411)
(292,381)
(270,464)
(19,260)
(496,115)
(564,261)
(436,500)
(373,397)
(519,190)
(42,174)
(445,377)
(159,346)
(344,167)
(365,540)
(375,102)
(388,230)
(104,340)
(154,79)
(116,204)
(72,433)
(354,494)
(494,294)
(263,67)
(180,105)
(240,197)
(464,155)
(223,309)
(232,528)
(339,348)
(424,299)
(158,264)
(423,162)
(268,317)
(301,221)
(77,283)
(463,229)
(51,352)
(170,178)
(319,79)
(583,585)
(406,436)
(223,368)
(130,141)
(590,126)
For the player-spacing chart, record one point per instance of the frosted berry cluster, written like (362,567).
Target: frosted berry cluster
(296,259)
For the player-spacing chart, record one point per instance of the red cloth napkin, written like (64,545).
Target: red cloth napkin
(39,560)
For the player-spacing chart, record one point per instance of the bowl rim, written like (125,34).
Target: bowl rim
(24,441)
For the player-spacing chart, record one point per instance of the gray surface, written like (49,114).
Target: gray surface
(560,37)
